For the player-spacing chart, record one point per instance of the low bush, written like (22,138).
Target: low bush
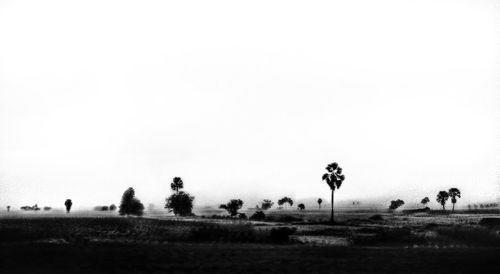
(258,216)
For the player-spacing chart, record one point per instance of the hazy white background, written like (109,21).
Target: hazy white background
(247,99)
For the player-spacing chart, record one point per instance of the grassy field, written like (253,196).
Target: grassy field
(285,242)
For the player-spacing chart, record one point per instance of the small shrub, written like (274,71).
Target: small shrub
(258,216)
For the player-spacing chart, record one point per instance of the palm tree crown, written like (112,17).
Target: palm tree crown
(177,184)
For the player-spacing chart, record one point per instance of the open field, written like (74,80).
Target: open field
(287,241)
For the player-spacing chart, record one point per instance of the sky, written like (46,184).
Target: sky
(248,99)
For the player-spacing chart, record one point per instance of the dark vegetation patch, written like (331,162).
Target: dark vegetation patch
(74,230)
(490,221)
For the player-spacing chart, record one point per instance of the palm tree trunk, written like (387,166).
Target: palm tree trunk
(331,216)
(453,208)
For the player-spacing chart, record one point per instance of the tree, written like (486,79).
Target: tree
(425,201)
(130,205)
(8,208)
(301,207)
(68,203)
(319,202)
(442,197)
(112,207)
(334,179)
(285,200)
(177,184)
(454,193)
(395,204)
(233,206)
(180,203)
(266,204)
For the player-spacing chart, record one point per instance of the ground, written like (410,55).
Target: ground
(359,242)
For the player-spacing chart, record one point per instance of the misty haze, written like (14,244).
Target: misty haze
(226,136)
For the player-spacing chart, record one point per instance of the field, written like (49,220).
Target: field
(286,241)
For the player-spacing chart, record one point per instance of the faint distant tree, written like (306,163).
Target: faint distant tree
(281,202)
(395,204)
(47,208)
(319,202)
(442,197)
(266,204)
(233,206)
(301,207)
(8,208)
(334,179)
(469,207)
(130,205)
(112,207)
(181,203)
(475,206)
(68,203)
(481,206)
(425,201)
(454,193)
(177,184)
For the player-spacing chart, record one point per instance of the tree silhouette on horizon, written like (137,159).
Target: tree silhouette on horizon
(68,203)
(454,193)
(130,205)
(177,184)
(319,202)
(442,197)
(425,201)
(334,179)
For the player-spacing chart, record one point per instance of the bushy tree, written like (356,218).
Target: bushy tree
(319,202)
(112,207)
(425,201)
(395,204)
(8,208)
(177,184)
(181,203)
(301,207)
(232,206)
(266,204)
(442,197)
(130,205)
(285,200)
(68,204)
(454,193)
(334,179)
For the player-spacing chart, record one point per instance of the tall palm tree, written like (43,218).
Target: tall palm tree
(454,193)
(177,184)
(442,197)
(319,202)
(334,179)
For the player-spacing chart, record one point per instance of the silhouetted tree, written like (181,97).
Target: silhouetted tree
(130,205)
(442,197)
(8,208)
(233,206)
(47,208)
(285,200)
(334,179)
(68,203)
(112,207)
(177,184)
(395,204)
(301,207)
(454,193)
(425,201)
(266,204)
(319,202)
(181,203)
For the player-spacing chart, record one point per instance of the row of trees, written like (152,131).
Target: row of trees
(442,197)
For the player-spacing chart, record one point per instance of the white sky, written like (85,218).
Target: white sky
(247,99)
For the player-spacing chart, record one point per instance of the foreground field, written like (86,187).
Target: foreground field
(285,242)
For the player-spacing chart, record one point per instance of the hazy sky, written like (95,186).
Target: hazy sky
(247,99)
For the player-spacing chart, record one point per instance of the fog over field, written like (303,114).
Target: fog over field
(97,96)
